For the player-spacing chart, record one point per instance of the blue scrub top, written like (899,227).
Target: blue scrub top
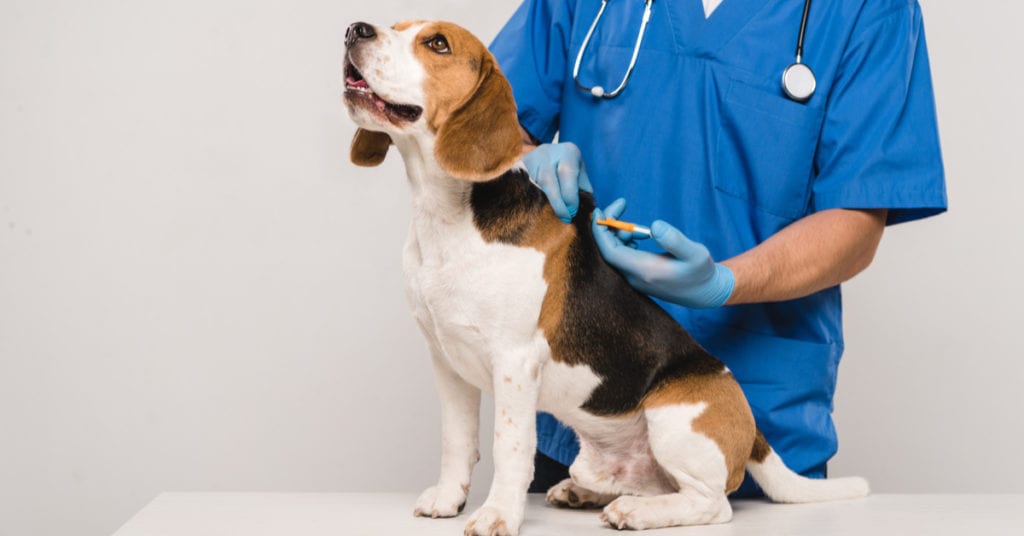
(703,137)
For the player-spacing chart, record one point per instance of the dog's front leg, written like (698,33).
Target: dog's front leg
(460,434)
(516,387)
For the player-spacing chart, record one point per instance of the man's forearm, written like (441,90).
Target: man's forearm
(816,252)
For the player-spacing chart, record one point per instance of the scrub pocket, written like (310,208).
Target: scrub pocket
(765,150)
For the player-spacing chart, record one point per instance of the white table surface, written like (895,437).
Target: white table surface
(390,514)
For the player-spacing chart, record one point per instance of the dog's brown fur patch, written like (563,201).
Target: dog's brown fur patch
(469,105)
(553,238)
(726,419)
(451,78)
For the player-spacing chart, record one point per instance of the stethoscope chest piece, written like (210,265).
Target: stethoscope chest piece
(798,82)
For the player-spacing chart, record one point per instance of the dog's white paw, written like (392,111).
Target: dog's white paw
(566,494)
(626,512)
(438,501)
(493,521)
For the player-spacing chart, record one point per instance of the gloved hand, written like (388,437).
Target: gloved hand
(558,170)
(686,274)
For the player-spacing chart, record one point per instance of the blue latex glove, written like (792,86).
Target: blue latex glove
(686,274)
(558,170)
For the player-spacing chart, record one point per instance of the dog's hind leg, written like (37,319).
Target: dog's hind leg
(620,462)
(567,494)
(693,460)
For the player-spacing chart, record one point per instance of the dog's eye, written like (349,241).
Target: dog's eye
(439,44)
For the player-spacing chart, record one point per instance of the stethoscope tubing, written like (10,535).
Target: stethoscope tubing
(803,30)
(798,81)
(598,91)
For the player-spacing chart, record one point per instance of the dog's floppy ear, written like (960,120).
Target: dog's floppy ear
(480,139)
(369,147)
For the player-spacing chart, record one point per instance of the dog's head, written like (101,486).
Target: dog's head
(432,80)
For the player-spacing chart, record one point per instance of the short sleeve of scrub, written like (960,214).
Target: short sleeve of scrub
(879,147)
(532,49)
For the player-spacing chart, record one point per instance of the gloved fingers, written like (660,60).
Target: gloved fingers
(547,179)
(533,168)
(616,209)
(568,169)
(607,241)
(567,173)
(626,237)
(633,263)
(675,242)
(558,170)
(647,272)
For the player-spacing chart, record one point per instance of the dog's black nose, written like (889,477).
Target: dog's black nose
(357,31)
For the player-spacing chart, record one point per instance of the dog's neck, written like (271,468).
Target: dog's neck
(435,193)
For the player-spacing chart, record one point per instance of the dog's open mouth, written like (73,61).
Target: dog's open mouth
(357,87)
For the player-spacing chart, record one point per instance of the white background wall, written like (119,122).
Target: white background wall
(199,292)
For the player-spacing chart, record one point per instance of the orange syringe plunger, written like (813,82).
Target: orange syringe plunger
(624,226)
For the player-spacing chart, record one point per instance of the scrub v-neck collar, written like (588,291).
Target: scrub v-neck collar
(702,35)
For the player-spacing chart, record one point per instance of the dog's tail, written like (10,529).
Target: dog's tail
(783,485)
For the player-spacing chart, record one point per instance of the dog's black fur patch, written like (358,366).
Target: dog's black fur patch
(630,342)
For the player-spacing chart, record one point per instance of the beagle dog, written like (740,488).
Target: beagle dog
(515,303)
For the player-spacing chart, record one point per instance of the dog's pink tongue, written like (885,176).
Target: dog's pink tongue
(355,83)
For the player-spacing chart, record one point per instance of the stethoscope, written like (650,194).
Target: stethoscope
(798,80)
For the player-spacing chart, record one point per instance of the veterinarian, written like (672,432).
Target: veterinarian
(767,188)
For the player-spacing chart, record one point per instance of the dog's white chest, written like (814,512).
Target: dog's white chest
(476,300)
